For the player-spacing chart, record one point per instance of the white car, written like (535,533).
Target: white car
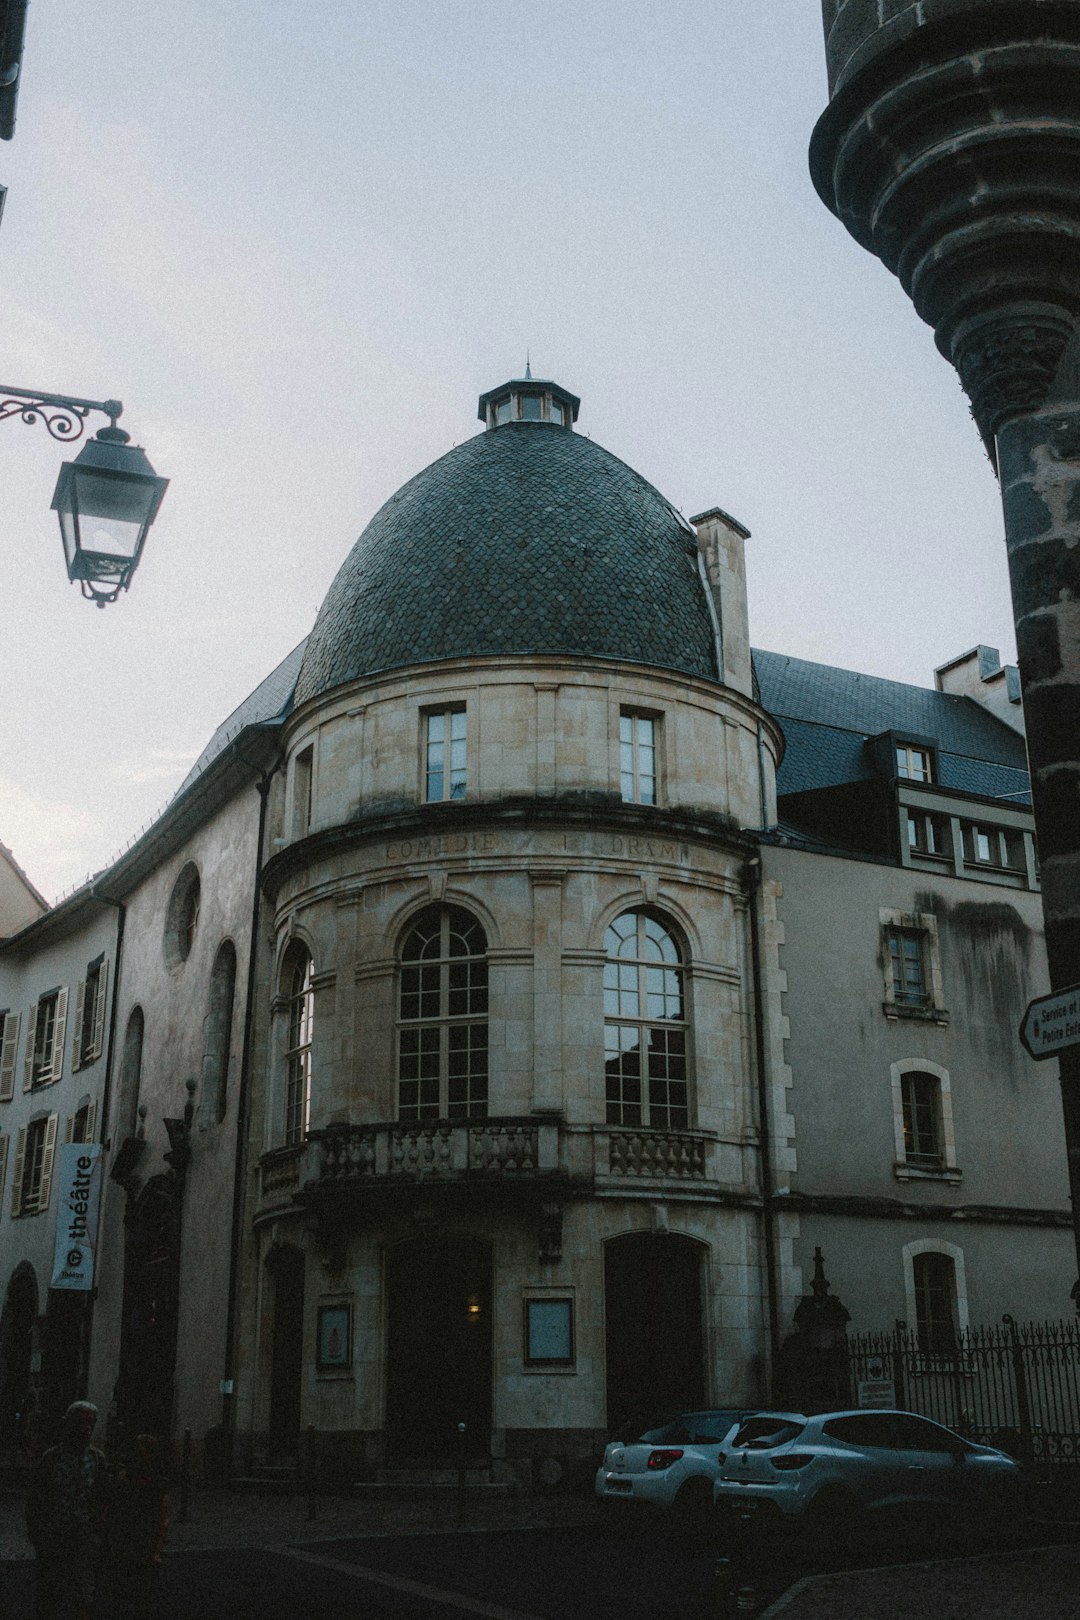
(671,1465)
(830,1469)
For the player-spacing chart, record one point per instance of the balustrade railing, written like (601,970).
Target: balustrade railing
(496,1148)
(675,1155)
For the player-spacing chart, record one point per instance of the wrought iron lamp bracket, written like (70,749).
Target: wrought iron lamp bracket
(63,415)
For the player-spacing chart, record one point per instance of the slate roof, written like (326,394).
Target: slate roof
(270,701)
(527,539)
(827,715)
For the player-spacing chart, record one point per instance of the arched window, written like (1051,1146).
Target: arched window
(182,916)
(644,1025)
(442,1034)
(934,1276)
(301,1014)
(219,1031)
(127,1115)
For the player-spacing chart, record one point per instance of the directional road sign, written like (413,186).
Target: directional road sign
(1052,1022)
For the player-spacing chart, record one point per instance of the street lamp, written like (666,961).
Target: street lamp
(106,499)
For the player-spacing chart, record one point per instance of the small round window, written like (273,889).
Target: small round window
(182,917)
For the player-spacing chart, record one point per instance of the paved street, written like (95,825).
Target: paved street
(525,1559)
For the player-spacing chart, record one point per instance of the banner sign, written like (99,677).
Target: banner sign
(79,1185)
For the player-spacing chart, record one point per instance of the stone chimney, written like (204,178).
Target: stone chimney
(721,556)
(981,675)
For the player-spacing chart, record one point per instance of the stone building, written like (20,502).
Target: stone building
(492,1047)
(902,877)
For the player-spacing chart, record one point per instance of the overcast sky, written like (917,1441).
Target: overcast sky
(298,241)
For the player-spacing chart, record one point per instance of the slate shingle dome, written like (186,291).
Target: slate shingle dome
(526,539)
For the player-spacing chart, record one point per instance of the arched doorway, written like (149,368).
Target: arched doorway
(151,1308)
(654,1326)
(438,1348)
(16,1350)
(285,1266)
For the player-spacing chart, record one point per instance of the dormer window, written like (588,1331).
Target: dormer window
(914,764)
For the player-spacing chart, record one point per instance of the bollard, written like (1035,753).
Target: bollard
(185,1475)
(312,1473)
(462,1454)
(745,1600)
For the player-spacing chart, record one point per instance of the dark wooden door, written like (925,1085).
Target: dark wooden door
(654,1328)
(438,1349)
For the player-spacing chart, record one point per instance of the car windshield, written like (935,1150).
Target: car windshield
(764,1431)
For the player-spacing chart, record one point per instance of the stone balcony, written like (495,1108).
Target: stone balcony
(526,1158)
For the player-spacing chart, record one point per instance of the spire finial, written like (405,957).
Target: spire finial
(528,367)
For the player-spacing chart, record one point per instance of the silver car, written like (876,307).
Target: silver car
(827,1470)
(670,1464)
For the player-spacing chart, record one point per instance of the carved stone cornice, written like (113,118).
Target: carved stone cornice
(951,151)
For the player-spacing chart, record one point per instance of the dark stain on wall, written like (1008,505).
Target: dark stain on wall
(986,959)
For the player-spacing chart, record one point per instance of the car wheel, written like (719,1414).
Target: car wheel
(693,1507)
(833,1515)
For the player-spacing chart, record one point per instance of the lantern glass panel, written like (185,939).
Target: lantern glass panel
(111,512)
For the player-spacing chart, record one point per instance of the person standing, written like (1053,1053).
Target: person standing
(66,1510)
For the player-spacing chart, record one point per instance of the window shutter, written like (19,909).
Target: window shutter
(3,1162)
(91,1122)
(59,1029)
(8,1054)
(69,1128)
(47,1157)
(28,1060)
(77,1038)
(99,1009)
(17,1174)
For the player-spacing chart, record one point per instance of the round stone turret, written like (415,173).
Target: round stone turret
(951,150)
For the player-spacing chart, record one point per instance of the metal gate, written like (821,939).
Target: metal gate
(1013,1384)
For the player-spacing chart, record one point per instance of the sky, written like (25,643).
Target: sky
(299,241)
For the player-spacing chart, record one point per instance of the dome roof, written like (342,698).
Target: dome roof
(526,539)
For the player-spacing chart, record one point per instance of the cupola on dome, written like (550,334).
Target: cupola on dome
(526,539)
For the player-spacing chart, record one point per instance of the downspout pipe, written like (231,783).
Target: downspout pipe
(228,1401)
(768,1231)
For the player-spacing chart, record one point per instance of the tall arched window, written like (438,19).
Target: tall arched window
(644,1025)
(934,1276)
(301,1016)
(443,1035)
(127,1114)
(219,1030)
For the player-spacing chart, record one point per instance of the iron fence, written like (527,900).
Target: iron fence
(1010,1384)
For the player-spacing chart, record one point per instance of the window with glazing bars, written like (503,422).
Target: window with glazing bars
(445,754)
(644,1025)
(914,764)
(443,1031)
(637,757)
(922,1119)
(301,1016)
(907,957)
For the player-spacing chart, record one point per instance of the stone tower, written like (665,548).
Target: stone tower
(951,150)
